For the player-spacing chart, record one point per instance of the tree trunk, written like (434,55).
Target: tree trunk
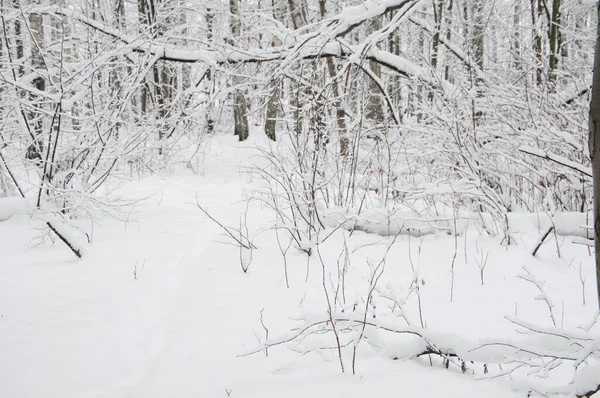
(438,8)
(554,37)
(37,64)
(2,112)
(298,18)
(478,33)
(275,85)
(272,109)
(297,12)
(517,36)
(447,75)
(143,19)
(18,39)
(374,107)
(240,107)
(479,53)
(340,113)
(537,39)
(210,123)
(115,76)
(594,145)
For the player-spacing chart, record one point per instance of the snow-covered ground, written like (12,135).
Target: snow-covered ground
(160,307)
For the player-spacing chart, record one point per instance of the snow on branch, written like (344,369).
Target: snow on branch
(65,232)
(453,48)
(548,155)
(352,17)
(544,296)
(310,46)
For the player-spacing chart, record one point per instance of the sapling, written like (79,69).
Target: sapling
(245,253)
(262,322)
(331,315)
(481,262)
(240,237)
(342,272)
(284,255)
(135,269)
(556,238)
(582,279)
(375,276)
(539,284)
(454,210)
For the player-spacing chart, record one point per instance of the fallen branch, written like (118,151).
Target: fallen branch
(62,237)
(541,242)
(583,241)
(579,95)
(311,326)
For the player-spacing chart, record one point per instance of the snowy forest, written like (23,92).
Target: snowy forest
(258,198)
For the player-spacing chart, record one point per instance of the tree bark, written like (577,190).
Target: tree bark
(594,146)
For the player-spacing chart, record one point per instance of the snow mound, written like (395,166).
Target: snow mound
(384,222)
(10,206)
(565,223)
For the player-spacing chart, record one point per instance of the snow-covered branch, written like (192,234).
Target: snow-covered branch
(549,155)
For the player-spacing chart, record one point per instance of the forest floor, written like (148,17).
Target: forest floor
(160,307)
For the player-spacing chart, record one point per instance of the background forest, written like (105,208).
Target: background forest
(465,90)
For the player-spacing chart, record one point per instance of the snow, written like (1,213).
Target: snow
(588,379)
(159,306)
(10,206)
(565,224)
(384,222)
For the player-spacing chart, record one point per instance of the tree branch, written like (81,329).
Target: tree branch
(556,159)
(75,251)
(309,47)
